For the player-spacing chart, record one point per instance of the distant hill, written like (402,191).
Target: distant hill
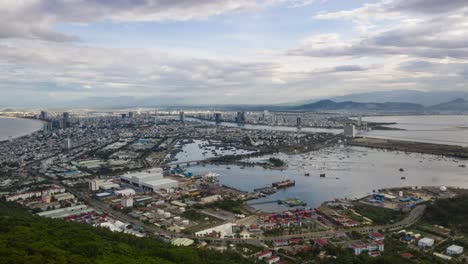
(349,105)
(406,96)
(455,105)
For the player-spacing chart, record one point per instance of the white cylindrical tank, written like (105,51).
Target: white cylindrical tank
(400,194)
(167,215)
(443,189)
(182,209)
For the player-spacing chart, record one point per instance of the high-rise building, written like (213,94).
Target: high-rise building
(94,185)
(349,130)
(66,120)
(359,121)
(217,118)
(130,114)
(298,122)
(43,115)
(240,117)
(124,116)
(181,117)
(68,144)
(265,115)
(47,126)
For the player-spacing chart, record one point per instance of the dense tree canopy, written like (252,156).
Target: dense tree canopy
(25,238)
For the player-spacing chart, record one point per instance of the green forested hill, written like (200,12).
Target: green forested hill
(25,238)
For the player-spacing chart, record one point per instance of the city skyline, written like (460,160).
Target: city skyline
(228,52)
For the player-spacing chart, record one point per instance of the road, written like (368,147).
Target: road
(413,216)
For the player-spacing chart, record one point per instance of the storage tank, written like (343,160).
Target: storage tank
(167,215)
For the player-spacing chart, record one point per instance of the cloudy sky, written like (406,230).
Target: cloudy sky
(229,51)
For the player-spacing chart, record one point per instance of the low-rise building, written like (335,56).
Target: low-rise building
(263,254)
(377,236)
(272,259)
(426,242)
(454,250)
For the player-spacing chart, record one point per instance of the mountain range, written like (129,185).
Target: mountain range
(425,98)
(327,105)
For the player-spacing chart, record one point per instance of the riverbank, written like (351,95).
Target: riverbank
(411,146)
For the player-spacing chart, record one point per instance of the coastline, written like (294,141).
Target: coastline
(25,132)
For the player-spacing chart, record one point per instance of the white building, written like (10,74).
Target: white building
(349,130)
(454,250)
(94,185)
(156,185)
(127,201)
(125,192)
(150,180)
(67,211)
(426,242)
(223,230)
(210,199)
(63,196)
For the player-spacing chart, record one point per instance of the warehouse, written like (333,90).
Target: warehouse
(156,185)
(67,211)
(149,180)
(137,178)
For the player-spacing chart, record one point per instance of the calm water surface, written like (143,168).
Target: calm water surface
(438,129)
(17,127)
(350,172)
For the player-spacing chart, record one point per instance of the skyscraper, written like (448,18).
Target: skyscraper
(181,117)
(68,145)
(218,118)
(66,120)
(43,115)
(240,117)
(130,114)
(298,122)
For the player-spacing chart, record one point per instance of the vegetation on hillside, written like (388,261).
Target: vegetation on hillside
(451,213)
(25,238)
(378,214)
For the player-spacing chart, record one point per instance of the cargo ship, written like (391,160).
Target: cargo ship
(283,184)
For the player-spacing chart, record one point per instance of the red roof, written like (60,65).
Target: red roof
(272,258)
(263,253)
(406,255)
(377,235)
(321,242)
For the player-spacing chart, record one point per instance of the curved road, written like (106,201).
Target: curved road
(413,216)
